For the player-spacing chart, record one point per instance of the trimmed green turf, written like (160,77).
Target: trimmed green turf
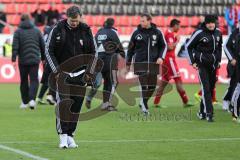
(122,135)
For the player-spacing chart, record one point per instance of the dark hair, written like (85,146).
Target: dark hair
(109,22)
(25,17)
(73,12)
(174,22)
(149,17)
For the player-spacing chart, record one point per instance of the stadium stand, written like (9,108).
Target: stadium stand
(126,11)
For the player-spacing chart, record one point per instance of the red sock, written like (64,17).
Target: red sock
(200,93)
(157,99)
(214,99)
(183,96)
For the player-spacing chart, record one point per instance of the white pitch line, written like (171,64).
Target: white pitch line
(133,140)
(3,147)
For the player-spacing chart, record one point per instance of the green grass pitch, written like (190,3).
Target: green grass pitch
(121,135)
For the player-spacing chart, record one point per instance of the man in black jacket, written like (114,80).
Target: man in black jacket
(68,39)
(149,48)
(231,48)
(28,45)
(205,50)
(109,46)
(46,73)
(231,98)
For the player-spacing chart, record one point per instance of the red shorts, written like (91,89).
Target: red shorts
(170,69)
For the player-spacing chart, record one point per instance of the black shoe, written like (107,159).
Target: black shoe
(88,104)
(32,107)
(201,116)
(210,119)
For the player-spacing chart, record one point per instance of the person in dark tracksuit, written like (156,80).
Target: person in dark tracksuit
(69,38)
(108,49)
(148,48)
(28,46)
(46,72)
(231,99)
(205,51)
(231,48)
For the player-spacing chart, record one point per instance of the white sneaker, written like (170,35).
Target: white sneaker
(32,104)
(63,141)
(105,106)
(225,105)
(23,106)
(50,100)
(71,142)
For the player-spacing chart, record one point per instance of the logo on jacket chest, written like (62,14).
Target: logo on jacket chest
(81,42)
(205,40)
(139,37)
(154,37)
(58,39)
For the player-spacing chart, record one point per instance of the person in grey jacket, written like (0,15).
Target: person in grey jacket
(28,46)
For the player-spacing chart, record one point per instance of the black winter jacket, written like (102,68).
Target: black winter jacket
(28,44)
(109,46)
(65,42)
(205,47)
(147,45)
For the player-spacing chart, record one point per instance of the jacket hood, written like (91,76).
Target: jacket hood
(81,25)
(106,27)
(153,26)
(27,24)
(203,27)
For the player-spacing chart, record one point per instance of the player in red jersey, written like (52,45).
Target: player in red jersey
(170,69)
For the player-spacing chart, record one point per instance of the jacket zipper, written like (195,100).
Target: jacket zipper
(74,41)
(214,48)
(148,53)
(201,57)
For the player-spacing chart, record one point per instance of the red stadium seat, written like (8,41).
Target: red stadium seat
(159,21)
(98,20)
(94,30)
(124,21)
(195,21)
(21,8)
(184,21)
(6,1)
(10,8)
(44,7)
(189,30)
(66,6)
(163,29)
(13,19)
(120,30)
(43,1)
(89,20)
(56,1)
(128,30)
(135,20)
(19,1)
(117,21)
(31,1)
(32,7)
(59,7)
